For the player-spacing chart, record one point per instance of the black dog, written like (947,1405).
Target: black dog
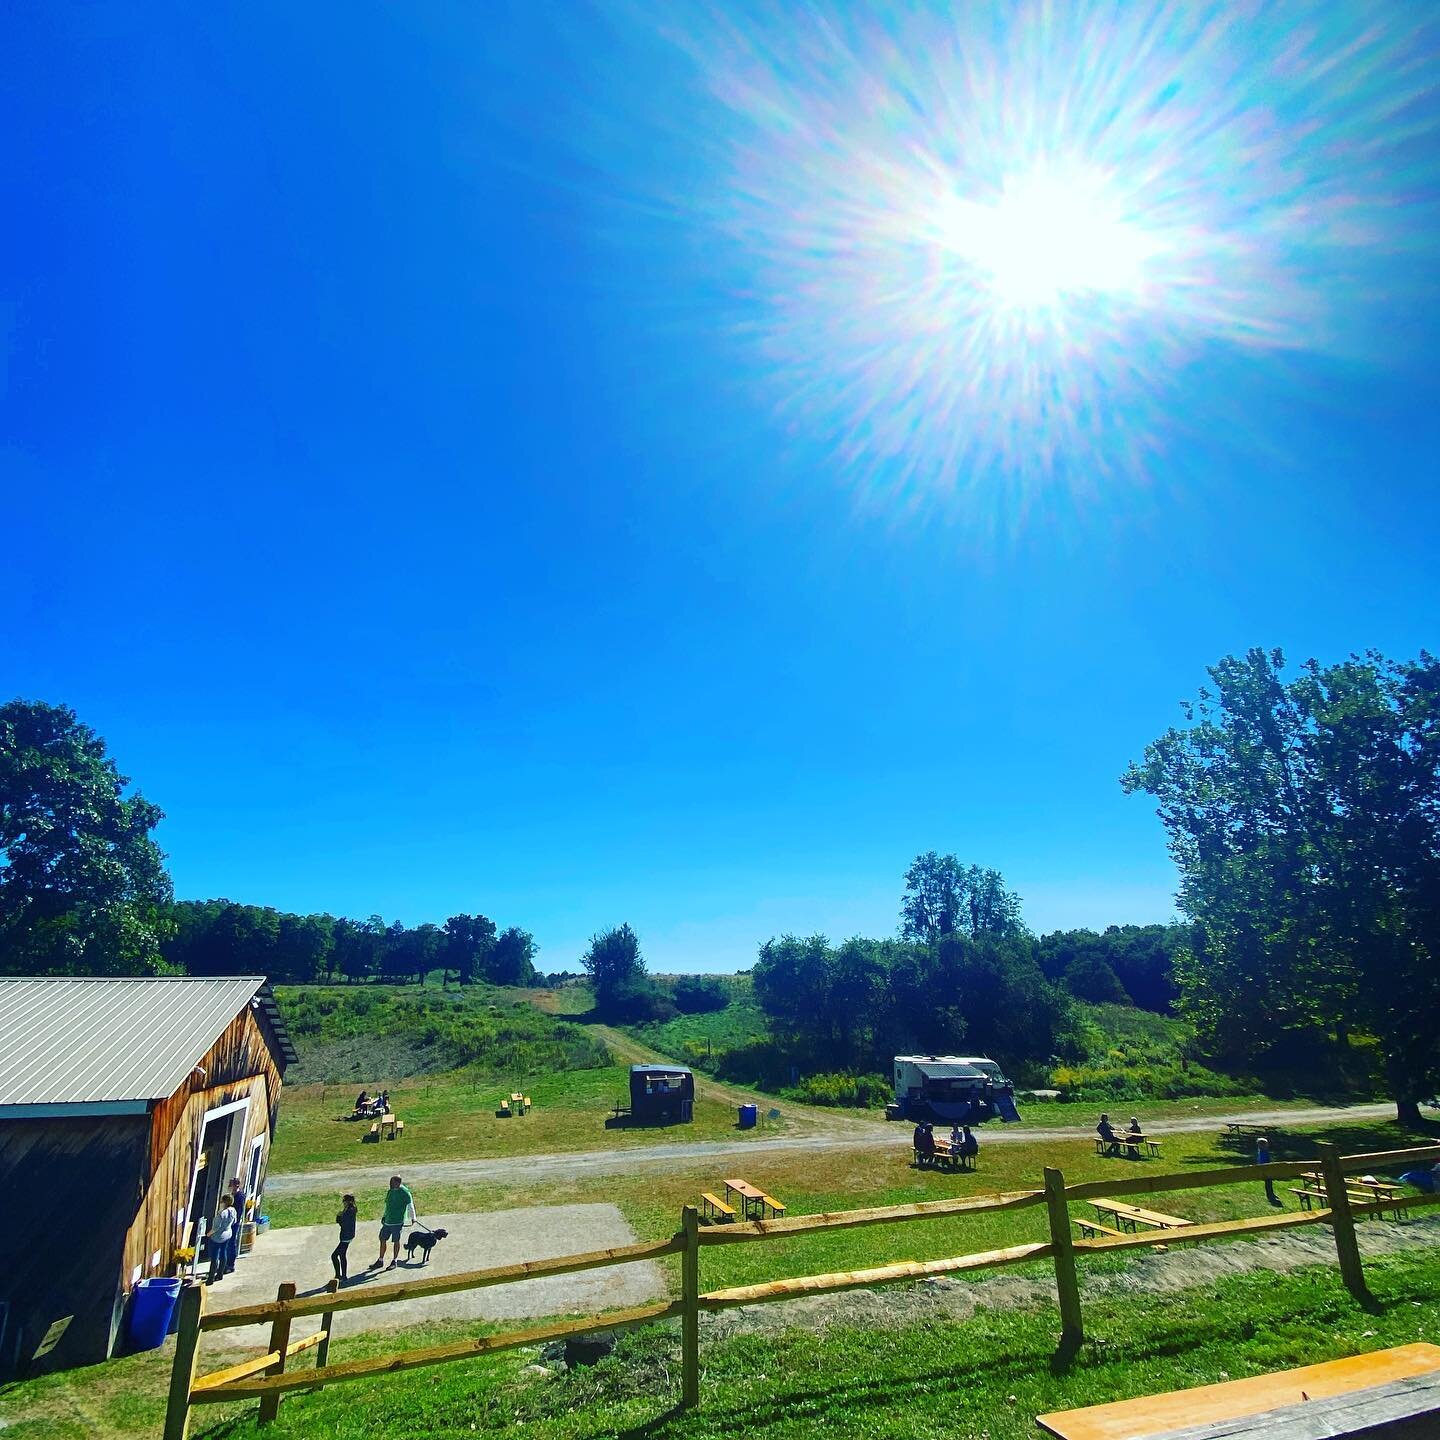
(424,1241)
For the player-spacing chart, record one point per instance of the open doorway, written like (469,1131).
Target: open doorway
(217,1162)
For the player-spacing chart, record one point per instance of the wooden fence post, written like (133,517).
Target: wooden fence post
(690,1317)
(187,1359)
(322,1355)
(1342,1222)
(279,1340)
(1072,1328)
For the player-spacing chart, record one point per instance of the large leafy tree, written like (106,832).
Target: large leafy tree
(1304,816)
(466,947)
(512,957)
(83,886)
(615,966)
(943,897)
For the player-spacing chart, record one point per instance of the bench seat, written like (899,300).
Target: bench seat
(715,1206)
(776,1207)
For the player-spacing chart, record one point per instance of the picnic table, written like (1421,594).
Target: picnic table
(1360,1395)
(386,1127)
(1361,1191)
(1130,1140)
(946,1155)
(1241,1128)
(753,1201)
(1131,1217)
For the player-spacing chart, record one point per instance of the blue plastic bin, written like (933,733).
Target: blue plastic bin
(749,1114)
(151,1307)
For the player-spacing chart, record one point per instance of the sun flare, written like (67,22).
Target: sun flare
(1049,235)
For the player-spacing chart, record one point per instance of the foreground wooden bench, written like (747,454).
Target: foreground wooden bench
(776,1208)
(715,1208)
(1361,1395)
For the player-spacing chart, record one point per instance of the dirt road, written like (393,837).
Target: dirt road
(528,1169)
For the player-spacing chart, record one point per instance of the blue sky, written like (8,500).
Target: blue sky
(429,459)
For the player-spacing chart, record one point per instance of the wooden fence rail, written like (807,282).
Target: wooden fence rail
(245,1380)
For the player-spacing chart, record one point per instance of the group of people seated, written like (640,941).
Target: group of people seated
(367,1106)
(962,1142)
(1114,1142)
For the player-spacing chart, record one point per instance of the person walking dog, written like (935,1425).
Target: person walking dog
(399,1208)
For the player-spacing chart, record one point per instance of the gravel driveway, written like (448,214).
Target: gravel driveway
(527,1169)
(476,1241)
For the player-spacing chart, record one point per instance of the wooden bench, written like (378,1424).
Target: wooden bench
(374,1132)
(715,1208)
(1092,1228)
(1366,1394)
(398,1131)
(776,1208)
(1125,1142)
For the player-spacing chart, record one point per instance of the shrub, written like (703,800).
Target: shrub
(700,994)
(861,1092)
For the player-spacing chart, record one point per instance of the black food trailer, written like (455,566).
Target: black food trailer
(661,1095)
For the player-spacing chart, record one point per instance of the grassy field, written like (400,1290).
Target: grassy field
(987,1375)
(811,1182)
(452,1117)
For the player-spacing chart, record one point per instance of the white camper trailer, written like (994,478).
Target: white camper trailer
(958,1089)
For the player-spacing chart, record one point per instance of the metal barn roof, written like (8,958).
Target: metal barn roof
(66,1041)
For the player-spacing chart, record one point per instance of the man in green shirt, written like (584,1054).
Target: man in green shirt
(399,1207)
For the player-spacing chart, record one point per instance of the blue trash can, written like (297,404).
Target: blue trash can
(151,1306)
(749,1114)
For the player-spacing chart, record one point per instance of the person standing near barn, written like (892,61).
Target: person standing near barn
(239,1198)
(346,1220)
(1262,1157)
(399,1207)
(227,1228)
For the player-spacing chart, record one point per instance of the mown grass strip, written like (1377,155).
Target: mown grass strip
(881,1275)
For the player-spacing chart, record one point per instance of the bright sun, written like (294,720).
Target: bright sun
(1049,235)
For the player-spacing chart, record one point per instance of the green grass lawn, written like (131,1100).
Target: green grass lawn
(452,1117)
(986,1376)
(812,1182)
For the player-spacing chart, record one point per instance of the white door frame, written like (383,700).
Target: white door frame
(209,1115)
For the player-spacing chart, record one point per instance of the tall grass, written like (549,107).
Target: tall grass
(422,1031)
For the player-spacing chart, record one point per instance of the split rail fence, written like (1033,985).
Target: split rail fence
(266,1378)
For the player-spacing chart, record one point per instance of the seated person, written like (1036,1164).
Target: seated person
(918,1139)
(969,1145)
(1134,1130)
(927,1142)
(1106,1132)
(383,1103)
(955,1139)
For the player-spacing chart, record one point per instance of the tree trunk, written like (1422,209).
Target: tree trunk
(1407,1112)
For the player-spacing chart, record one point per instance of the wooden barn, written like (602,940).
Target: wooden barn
(125,1106)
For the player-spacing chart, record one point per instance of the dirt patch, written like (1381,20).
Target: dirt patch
(1182,1269)
(476,1241)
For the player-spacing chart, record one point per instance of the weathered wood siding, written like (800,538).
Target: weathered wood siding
(69,1187)
(90,1204)
(240,1065)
